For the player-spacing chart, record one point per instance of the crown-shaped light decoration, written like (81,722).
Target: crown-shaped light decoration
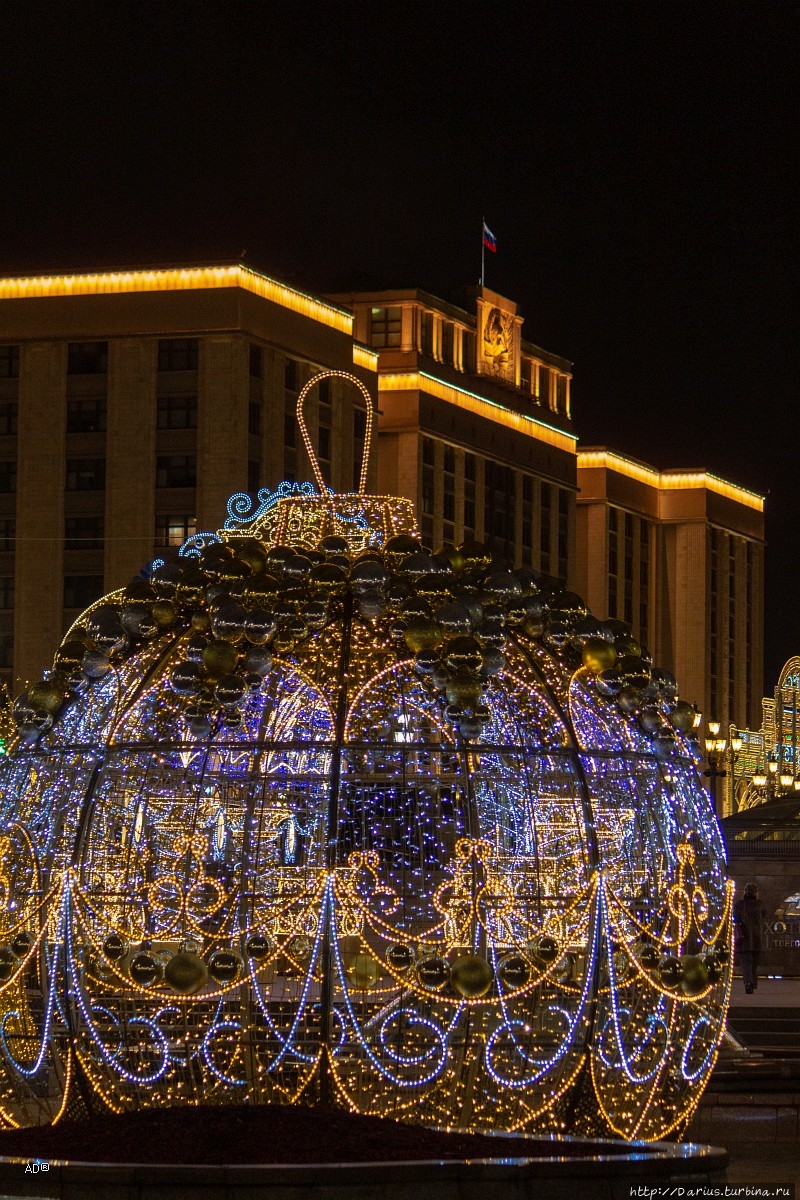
(313,815)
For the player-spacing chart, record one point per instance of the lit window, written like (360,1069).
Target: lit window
(174,530)
(385,325)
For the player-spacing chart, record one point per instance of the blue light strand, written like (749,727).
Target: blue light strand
(615,1010)
(379,1066)
(29,1072)
(111,1060)
(212,1032)
(529,1080)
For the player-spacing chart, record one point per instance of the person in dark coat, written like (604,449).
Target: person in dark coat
(748,915)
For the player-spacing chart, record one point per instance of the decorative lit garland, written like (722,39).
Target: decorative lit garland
(340,819)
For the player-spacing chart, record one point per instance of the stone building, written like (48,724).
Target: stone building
(133,404)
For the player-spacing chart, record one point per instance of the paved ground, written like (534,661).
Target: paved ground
(774,1159)
(757,1163)
(771,993)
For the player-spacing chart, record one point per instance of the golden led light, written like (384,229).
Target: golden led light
(354,829)
(403,381)
(668,480)
(105,283)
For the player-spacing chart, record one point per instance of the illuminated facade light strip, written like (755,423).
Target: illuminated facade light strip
(177,279)
(668,480)
(406,381)
(362,357)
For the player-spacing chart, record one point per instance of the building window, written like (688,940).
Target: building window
(254,418)
(561,393)
(385,326)
(499,514)
(324,443)
(6,591)
(8,420)
(544,527)
(8,477)
(87,415)
(254,361)
(449,489)
(83,533)
(8,533)
(178,354)
(176,471)
(253,476)
(428,485)
(468,350)
(87,358)
(543,381)
(448,338)
(174,530)
(525,375)
(6,649)
(177,412)
(359,442)
(290,424)
(426,333)
(9,362)
(81,590)
(86,474)
(290,375)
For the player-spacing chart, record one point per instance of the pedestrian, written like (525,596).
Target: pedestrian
(748,915)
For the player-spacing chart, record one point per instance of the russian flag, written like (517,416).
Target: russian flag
(489,240)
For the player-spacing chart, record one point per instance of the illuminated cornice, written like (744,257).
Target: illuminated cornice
(409,381)
(363,357)
(668,480)
(174,279)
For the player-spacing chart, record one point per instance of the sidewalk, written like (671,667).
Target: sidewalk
(759,1129)
(771,993)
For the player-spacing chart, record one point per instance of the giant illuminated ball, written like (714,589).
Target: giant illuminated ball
(348,822)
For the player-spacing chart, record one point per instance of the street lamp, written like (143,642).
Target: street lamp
(734,749)
(715,753)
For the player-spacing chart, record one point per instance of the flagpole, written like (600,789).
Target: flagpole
(483,249)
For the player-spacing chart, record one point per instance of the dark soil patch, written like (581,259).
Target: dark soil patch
(265,1134)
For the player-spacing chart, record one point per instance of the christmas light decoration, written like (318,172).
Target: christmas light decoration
(312,815)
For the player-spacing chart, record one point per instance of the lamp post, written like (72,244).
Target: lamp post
(734,749)
(776,780)
(715,753)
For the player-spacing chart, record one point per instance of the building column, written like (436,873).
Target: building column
(407,339)
(689,621)
(222,436)
(41,469)
(437,337)
(130,459)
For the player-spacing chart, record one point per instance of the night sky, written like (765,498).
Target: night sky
(636,161)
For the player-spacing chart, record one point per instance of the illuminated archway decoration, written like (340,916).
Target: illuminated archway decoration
(312,815)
